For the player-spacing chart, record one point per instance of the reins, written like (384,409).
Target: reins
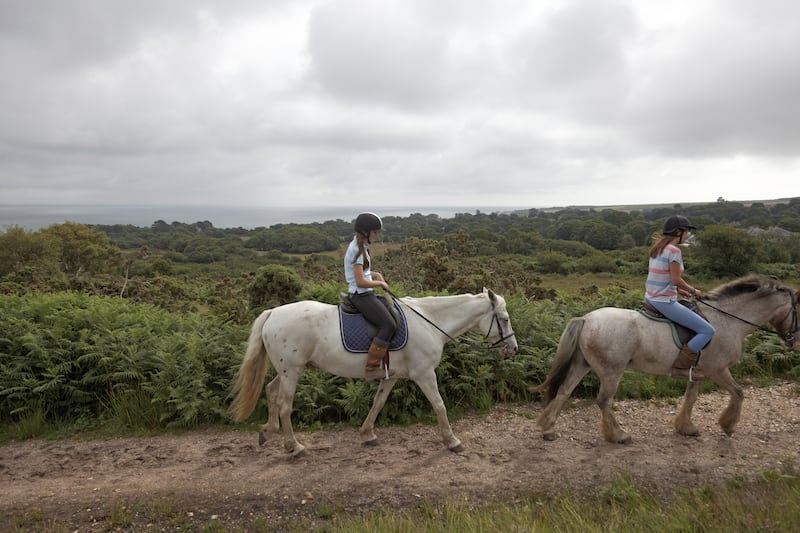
(423,317)
(426,319)
(788,338)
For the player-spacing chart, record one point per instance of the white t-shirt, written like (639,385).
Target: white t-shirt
(349,273)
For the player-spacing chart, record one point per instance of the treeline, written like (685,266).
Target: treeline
(493,233)
(234,272)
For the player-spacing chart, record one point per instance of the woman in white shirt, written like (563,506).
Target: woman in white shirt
(361,284)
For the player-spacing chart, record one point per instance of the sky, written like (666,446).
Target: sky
(398,102)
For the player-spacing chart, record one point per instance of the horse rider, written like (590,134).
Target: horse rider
(361,282)
(665,282)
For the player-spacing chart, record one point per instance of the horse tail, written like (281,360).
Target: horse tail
(565,356)
(249,378)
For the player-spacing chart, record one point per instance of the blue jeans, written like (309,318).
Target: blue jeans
(684,316)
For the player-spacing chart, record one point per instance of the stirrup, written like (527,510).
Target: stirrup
(691,376)
(688,373)
(385,374)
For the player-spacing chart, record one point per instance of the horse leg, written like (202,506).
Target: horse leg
(286,390)
(730,416)
(427,383)
(683,420)
(547,418)
(609,426)
(273,422)
(367,430)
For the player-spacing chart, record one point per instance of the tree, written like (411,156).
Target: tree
(81,249)
(274,285)
(601,235)
(19,248)
(421,263)
(725,251)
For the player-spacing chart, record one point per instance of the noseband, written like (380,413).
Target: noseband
(502,337)
(789,337)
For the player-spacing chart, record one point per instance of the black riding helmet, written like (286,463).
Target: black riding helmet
(366,222)
(677,222)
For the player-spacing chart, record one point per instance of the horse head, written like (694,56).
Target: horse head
(499,331)
(781,304)
(786,323)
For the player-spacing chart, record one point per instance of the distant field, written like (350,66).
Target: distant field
(573,283)
(647,207)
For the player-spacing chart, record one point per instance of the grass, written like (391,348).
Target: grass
(767,503)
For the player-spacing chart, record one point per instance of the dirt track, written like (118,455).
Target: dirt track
(228,476)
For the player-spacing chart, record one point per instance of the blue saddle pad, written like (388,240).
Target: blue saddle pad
(356,336)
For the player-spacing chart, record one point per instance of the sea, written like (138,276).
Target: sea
(35,217)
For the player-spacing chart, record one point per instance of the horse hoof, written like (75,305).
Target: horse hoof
(549,435)
(622,439)
(299,452)
(689,431)
(371,442)
(456,448)
(262,438)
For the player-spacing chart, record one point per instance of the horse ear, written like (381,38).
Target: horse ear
(490,293)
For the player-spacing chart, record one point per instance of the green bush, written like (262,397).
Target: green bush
(71,360)
(75,357)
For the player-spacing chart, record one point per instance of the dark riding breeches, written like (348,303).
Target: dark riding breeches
(375,312)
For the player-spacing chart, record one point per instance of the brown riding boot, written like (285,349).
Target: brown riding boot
(685,365)
(375,368)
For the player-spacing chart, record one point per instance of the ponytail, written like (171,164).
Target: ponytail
(361,251)
(660,242)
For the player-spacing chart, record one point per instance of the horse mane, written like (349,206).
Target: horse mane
(753,283)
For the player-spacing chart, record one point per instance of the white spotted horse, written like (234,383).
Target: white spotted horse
(309,334)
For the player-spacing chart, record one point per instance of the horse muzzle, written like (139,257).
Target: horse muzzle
(509,350)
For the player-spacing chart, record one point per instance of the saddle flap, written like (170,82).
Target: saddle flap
(680,334)
(346,305)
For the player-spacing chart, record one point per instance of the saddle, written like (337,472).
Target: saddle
(680,334)
(357,332)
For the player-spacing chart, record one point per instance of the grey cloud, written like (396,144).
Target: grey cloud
(726,89)
(305,100)
(376,53)
(573,61)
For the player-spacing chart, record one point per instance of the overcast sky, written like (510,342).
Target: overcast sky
(398,102)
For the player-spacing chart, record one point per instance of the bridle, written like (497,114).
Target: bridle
(789,338)
(502,336)
(495,319)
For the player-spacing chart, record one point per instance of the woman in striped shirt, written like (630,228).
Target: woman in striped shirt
(665,283)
